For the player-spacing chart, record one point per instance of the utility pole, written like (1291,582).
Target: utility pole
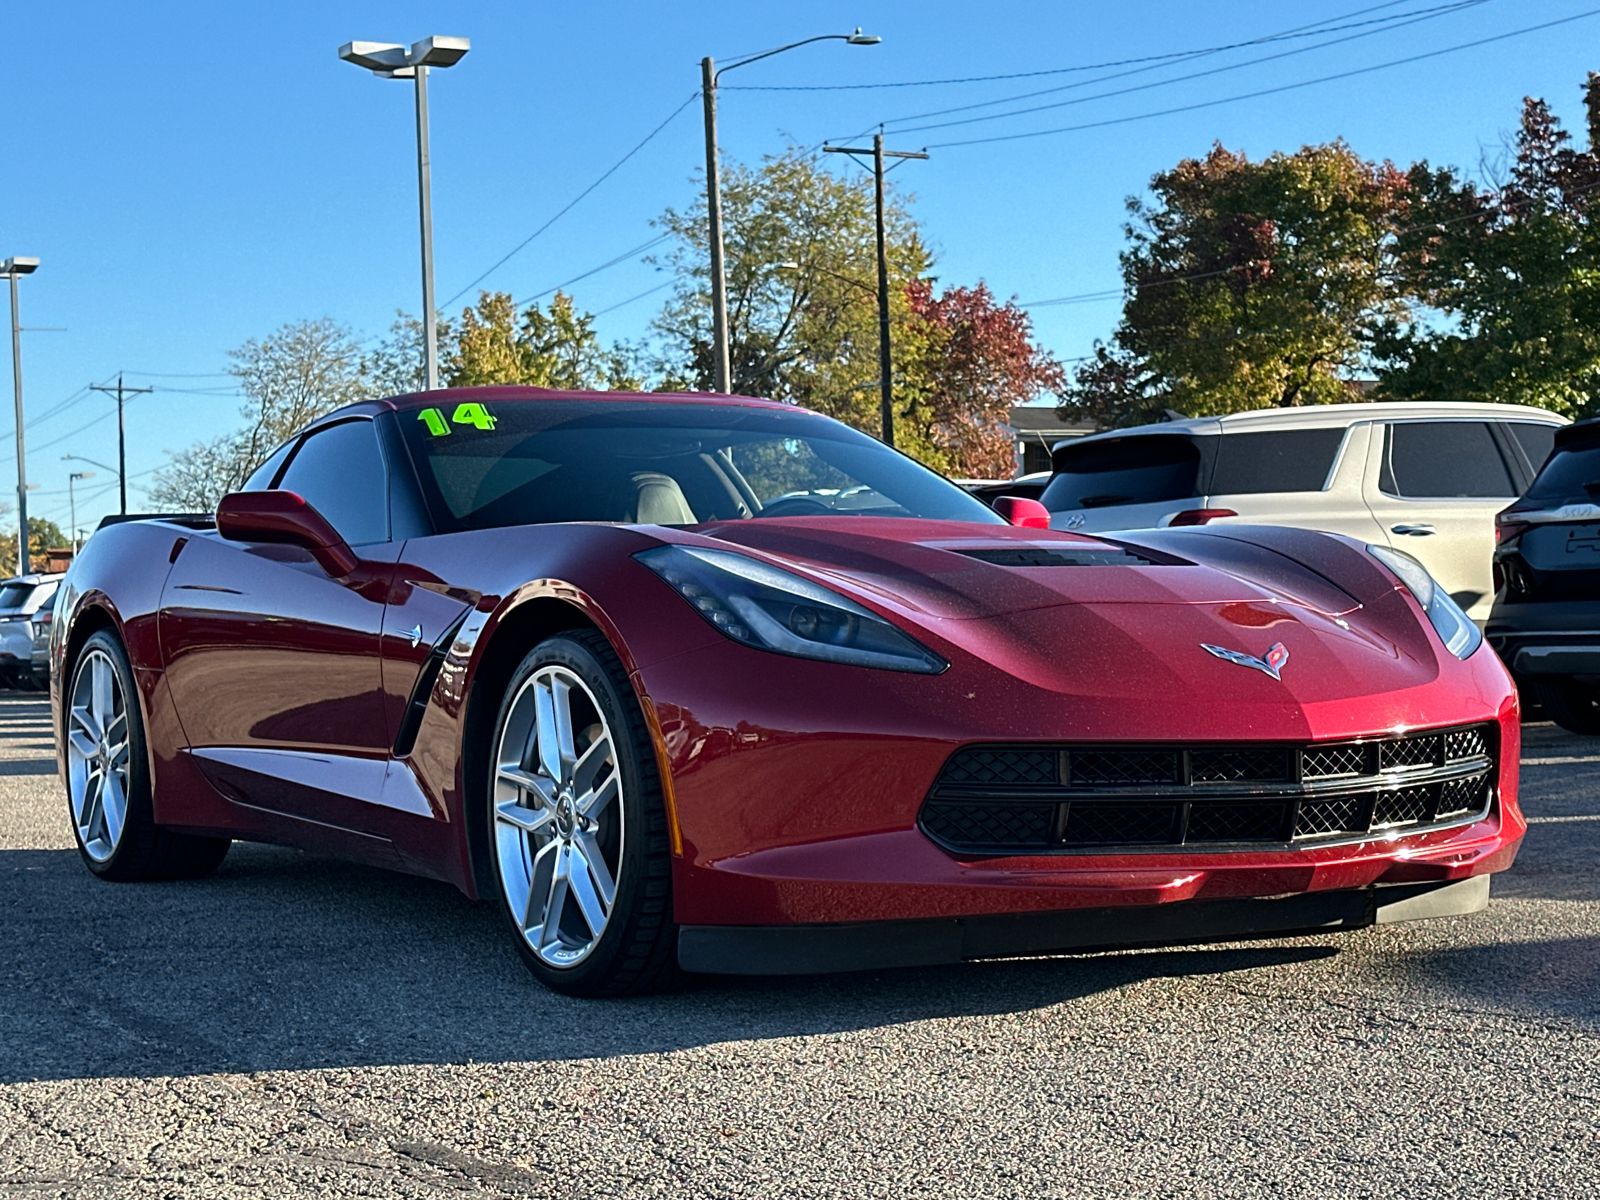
(720,365)
(885,378)
(122,442)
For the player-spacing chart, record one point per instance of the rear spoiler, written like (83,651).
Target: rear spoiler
(187,520)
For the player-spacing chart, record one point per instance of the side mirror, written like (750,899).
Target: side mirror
(285,517)
(1019,510)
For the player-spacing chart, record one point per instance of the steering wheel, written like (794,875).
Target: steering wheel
(795,506)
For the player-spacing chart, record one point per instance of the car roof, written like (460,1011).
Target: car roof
(1334,414)
(537,394)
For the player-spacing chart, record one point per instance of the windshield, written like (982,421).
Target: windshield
(1130,470)
(15,595)
(520,462)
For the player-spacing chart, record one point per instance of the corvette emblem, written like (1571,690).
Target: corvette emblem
(1271,663)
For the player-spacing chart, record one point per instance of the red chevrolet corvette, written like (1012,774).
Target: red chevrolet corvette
(719,685)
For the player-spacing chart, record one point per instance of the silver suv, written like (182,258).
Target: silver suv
(26,606)
(1422,477)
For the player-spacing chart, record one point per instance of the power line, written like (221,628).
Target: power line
(631,299)
(623,257)
(1123,62)
(1427,15)
(1287,87)
(693,96)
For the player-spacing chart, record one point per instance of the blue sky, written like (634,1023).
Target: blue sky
(193,175)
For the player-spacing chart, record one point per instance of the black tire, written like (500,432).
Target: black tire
(142,850)
(636,952)
(1572,705)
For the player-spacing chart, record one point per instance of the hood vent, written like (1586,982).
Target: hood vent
(1038,556)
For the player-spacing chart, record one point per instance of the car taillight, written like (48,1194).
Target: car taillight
(1199,516)
(1506,532)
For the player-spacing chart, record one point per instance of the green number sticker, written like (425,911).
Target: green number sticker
(473,414)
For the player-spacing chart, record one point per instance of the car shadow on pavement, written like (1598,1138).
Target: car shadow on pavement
(286,960)
(290,961)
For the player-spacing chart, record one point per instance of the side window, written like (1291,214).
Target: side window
(1277,460)
(261,479)
(1443,460)
(339,470)
(1536,440)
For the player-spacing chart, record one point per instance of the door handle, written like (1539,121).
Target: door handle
(1413,530)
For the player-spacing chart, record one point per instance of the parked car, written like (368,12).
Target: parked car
(1546,618)
(1426,478)
(618,664)
(25,613)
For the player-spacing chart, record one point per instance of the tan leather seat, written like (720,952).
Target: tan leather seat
(661,501)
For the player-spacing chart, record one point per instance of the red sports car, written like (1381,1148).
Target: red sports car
(718,685)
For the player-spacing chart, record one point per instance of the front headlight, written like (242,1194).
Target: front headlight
(1460,636)
(773,610)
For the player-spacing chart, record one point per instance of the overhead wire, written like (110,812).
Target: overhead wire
(1312,30)
(571,204)
(1400,21)
(1287,87)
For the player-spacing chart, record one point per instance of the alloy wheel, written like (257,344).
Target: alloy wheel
(97,755)
(558,816)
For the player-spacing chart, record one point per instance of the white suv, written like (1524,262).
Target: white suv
(1423,477)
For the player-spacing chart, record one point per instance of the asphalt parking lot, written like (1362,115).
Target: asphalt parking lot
(296,1026)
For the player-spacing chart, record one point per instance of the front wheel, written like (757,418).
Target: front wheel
(578,833)
(1572,705)
(108,778)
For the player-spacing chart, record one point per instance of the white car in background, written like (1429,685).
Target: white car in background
(1423,477)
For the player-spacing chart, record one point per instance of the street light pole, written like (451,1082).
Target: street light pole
(72,502)
(430,320)
(885,382)
(721,367)
(13,269)
(389,60)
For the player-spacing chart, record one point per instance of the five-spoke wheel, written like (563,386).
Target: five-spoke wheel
(97,755)
(558,815)
(576,826)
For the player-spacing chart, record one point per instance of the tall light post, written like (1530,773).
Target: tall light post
(72,502)
(709,75)
(122,483)
(13,269)
(389,60)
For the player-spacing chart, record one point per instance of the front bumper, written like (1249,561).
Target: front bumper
(863,946)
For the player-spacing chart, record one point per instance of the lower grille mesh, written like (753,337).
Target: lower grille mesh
(1035,799)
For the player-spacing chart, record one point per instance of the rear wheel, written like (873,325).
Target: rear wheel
(1572,705)
(108,778)
(578,833)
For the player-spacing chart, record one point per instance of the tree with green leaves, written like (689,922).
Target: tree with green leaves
(1248,285)
(43,535)
(550,348)
(801,263)
(1508,277)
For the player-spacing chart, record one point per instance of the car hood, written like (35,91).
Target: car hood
(960,571)
(1136,622)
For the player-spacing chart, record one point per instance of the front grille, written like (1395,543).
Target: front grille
(1122,768)
(1047,798)
(999,766)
